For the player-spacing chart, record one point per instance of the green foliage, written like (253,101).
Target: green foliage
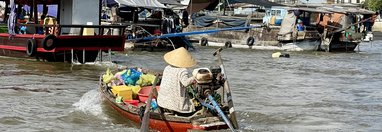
(3,29)
(374,5)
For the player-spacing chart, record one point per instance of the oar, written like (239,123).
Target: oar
(146,116)
(228,91)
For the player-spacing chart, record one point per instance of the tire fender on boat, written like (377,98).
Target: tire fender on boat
(228,44)
(49,42)
(31,48)
(204,41)
(250,41)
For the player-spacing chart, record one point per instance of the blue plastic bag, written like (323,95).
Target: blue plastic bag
(131,76)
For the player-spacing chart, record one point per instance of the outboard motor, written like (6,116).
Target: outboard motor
(208,81)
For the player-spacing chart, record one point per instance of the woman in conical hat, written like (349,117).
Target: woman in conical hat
(172,94)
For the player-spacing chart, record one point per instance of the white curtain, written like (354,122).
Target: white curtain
(12,19)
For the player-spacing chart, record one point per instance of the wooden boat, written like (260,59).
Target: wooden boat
(343,29)
(55,41)
(202,119)
(306,38)
(329,28)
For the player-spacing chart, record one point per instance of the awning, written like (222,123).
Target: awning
(140,3)
(197,5)
(170,2)
(264,3)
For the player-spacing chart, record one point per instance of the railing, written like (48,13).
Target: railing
(99,30)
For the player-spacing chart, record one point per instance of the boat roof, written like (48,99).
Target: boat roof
(360,11)
(139,3)
(346,10)
(309,9)
(264,3)
(170,2)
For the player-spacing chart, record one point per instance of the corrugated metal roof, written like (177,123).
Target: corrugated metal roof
(170,2)
(264,3)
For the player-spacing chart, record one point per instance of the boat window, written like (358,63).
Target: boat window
(278,12)
(273,12)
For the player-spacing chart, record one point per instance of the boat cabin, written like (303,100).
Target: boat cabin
(146,19)
(345,27)
(300,24)
(274,15)
(75,32)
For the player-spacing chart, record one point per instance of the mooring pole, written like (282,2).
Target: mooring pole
(72,56)
(83,56)
(64,55)
(110,55)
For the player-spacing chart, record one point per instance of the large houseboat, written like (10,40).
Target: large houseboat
(75,34)
(328,28)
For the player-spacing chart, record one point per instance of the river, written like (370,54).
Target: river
(310,91)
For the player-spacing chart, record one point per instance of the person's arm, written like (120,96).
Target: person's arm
(184,79)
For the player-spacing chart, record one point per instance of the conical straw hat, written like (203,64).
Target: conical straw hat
(179,57)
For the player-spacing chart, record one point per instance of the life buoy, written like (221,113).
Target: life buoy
(204,41)
(49,42)
(228,44)
(31,47)
(250,41)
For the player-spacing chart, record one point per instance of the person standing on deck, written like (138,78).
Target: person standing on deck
(185,18)
(372,20)
(300,25)
(173,94)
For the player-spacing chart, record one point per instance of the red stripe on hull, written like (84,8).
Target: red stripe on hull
(19,48)
(29,36)
(163,126)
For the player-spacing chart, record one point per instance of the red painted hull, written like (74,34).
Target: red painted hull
(16,46)
(162,125)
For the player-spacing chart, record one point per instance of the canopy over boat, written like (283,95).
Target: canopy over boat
(264,3)
(137,3)
(197,5)
(170,2)
(309,10)
(346,10)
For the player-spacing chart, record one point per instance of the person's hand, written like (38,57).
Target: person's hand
(194,81)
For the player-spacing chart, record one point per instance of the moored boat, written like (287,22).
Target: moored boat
(58,38)
(345,28)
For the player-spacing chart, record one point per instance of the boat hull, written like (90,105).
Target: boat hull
(160,122)
(17,46)
(343,46)
(165,126)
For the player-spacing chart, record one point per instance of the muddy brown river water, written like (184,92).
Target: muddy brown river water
(311,91)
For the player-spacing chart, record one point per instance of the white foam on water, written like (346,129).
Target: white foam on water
(90,103)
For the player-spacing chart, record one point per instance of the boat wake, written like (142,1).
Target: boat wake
(90,103)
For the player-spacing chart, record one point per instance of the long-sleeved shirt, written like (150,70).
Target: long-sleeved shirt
(173,94)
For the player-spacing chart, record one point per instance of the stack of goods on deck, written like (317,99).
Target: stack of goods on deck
(125,85)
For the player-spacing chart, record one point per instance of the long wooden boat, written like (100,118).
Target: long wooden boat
(202,119)
(342,29)
(49,40)
(333,29)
